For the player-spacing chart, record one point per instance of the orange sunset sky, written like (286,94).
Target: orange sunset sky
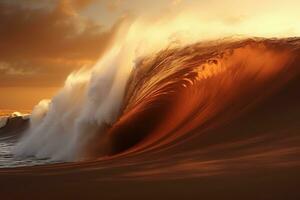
(42,41)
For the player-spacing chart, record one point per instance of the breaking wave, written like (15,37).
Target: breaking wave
(173,106)
(196,98)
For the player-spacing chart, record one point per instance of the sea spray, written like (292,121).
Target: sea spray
(88,100)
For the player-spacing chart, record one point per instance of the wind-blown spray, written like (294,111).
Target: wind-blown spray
(89,100)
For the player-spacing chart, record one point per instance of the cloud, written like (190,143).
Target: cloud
(113,5)
(80,4)
(50,38)
(8,69)
(176,2)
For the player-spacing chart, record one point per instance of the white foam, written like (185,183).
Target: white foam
(3,121)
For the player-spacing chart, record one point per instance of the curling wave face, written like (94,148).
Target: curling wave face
(199,110)
(182,93)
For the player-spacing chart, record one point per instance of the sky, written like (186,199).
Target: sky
(42,41)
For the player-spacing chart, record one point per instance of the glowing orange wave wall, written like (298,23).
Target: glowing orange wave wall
(177,91)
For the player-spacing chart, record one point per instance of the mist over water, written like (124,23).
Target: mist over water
(90,99)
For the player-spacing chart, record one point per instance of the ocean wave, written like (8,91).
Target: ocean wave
(194,101)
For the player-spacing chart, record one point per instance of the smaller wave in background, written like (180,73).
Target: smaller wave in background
(12,125)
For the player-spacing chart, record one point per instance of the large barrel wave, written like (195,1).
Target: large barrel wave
(184,94)
(210,110)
